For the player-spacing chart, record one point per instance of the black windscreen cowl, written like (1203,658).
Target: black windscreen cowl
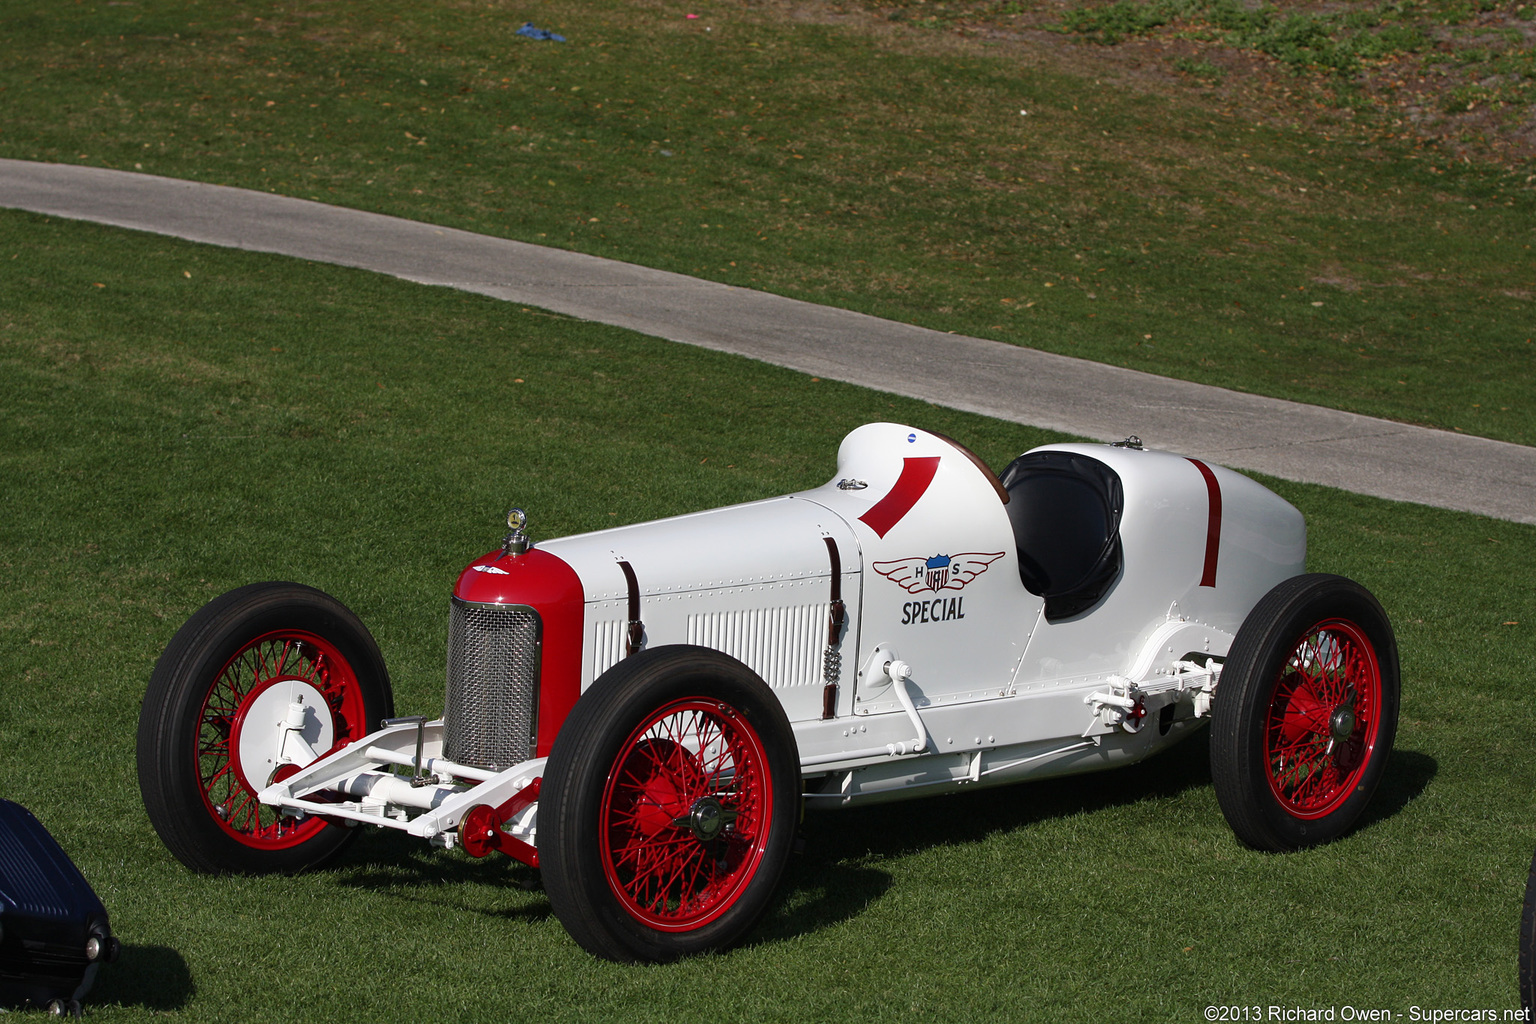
(1065,509)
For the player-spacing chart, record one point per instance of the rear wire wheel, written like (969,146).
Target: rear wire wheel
(1305,713)
(1528,943)
(669,806)
(209,739)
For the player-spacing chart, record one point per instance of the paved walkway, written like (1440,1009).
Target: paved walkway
(1286,439)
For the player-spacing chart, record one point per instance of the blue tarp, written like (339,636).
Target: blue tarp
(533,32)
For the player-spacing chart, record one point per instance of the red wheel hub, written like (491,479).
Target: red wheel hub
(685,813)
(664,781)
(479,830)
(1323,719)
(228,793)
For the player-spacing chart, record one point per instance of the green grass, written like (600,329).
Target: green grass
(1336,42)
(165,437)
(846,160)
(179,420)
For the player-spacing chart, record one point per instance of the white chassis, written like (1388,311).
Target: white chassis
(999,695)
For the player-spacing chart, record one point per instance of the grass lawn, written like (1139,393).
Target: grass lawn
(180,420)
(999,184)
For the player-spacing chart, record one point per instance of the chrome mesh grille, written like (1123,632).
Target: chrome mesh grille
(490,720)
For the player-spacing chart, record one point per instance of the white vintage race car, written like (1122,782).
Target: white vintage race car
(643,712)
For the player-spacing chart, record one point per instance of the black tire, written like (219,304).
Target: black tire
(211,697)
(1305,713)
(1528,943)
(626,784)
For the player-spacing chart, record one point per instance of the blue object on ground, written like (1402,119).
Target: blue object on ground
(532,32)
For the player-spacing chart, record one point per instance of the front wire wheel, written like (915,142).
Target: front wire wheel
(686,815)
(210,732)
(1305,713)
(669,806)
(266,675)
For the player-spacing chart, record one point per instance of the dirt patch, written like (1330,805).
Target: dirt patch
(1456,76)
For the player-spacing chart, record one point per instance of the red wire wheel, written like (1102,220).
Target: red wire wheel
(248,694)
(209,732)
(1323,719)
(1305,713)
(669,806)
(685,815)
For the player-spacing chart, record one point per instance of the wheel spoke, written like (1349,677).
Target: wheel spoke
(265,660)
(660,876)
(660,868)
(652,752)
(217,746)
(699,878)
(686,858)
(1330,672)
(1288,753)
(283,650)
(258,664)
(223,769)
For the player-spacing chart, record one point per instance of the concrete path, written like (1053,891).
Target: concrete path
(1286,439)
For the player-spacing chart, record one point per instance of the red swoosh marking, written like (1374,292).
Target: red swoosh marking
(916,475)
(1212,525)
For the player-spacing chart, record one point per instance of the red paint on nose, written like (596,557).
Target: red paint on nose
(916,475)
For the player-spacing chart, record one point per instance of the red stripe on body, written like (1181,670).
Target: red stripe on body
(916,475)
(1213,524)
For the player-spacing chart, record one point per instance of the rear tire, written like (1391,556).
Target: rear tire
(208,739)
(669,806)
(1305,713)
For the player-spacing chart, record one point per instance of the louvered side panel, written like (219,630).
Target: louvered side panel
(783,645)
(607,645)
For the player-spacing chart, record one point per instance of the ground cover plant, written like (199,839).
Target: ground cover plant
(180,420)
(1457,73)
(1012,179)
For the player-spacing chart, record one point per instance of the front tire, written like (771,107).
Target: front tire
(209,738)
(669,806)
(1305,713)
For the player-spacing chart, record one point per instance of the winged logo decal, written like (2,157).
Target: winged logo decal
(937,572)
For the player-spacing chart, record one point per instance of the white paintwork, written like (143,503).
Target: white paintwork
(954,659)
(1163,532)
(751,580)
(430,812)
(287,723)
(984,691)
